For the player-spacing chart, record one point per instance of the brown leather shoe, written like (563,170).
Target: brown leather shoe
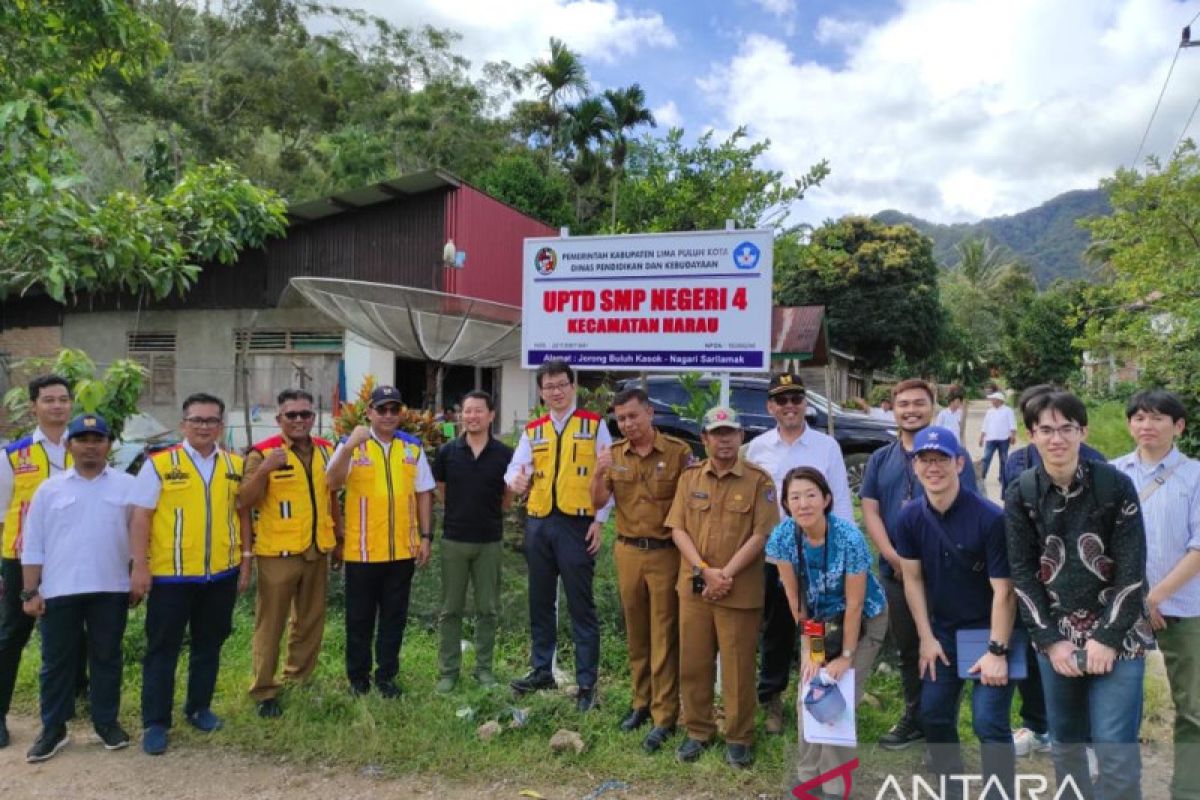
(774,711)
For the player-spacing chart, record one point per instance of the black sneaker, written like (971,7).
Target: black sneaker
(656,738)
(534,681)
(113,736)
(690,750)
(388,690)
(48,743)
(4,740)
(739,755)
(360,688)
(904,733)
(585,699)
(636,718)
(270,708)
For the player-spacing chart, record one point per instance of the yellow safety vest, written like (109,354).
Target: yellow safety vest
(381,501)
(294,513)
(30,465)
(562,464)
(195,534)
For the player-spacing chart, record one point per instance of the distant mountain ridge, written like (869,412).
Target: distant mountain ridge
(1047,238)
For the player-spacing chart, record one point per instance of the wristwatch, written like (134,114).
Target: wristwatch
(428,536)
(848,655)
(28,594)
(997,648)
(697,572)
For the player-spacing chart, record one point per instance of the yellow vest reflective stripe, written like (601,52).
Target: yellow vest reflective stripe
(381,503)
(30,464)
(562,464)
(294,513)
(195,533)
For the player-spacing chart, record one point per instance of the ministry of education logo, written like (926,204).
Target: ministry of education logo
(746,255)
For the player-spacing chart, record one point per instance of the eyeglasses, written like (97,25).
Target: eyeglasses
(1065,431)
(295,415)
(203,422)
(388,410)
(933,458)
(789,399)
(556,387)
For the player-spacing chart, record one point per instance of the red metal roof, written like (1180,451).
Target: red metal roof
(799,332)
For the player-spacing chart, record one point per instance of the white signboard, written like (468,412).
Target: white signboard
(671,301)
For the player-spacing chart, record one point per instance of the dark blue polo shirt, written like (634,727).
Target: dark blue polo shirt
(890,481)
(957,588)
(474,489)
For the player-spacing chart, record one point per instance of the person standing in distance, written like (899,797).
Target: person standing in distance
(76,570)
(553,464)
(389,528)
(469,472)
(186,546)
(640,473)
(297,525)
(791,443)
(27,463)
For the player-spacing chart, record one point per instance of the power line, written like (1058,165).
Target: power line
(1154,113)
(1187,124)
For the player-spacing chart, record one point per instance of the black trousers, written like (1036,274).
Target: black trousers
(376,608)
(556,547)
(1033,697)
(903,632)
(100,617)
(205,612)
(776,640)
(15,629)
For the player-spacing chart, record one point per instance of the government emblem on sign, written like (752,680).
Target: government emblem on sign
(545,261)
(746,255)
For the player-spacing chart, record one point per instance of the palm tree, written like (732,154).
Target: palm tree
(560,77)
(587,123)
(981,263)
(627,110)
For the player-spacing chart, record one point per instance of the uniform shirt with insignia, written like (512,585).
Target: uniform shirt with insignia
(644,486)
(720,512)
(55,451)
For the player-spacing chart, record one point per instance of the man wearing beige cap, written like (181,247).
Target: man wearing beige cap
(723,512)
(999,431)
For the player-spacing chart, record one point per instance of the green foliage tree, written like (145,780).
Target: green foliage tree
(878,283)
(1150,309)
(520,180)
(626,111)
(701,396)
(1039,348)
(670,186)
(557,78)
(59,232)
(114,395)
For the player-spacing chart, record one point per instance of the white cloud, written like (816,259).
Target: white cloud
(667,115)
(956,109)
(519,30)
(778,8)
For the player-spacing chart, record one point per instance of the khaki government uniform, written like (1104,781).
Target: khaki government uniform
(293,535)
(720,512)
(643,489)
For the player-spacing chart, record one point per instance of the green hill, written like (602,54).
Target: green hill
(1047,238)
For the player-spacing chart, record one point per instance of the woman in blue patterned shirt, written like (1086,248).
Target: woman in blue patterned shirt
(828,580)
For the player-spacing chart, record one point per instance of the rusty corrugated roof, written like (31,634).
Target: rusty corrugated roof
(799,332)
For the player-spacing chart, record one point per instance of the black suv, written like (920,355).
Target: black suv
(857,434)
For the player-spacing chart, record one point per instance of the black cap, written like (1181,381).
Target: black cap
(384,394)
(785,382)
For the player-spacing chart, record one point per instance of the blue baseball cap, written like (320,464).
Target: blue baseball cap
(88,423)
(383,395)
(937,439)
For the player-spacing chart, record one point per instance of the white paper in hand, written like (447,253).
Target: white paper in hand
(835,726)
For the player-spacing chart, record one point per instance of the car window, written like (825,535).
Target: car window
(747,400)
(668,393)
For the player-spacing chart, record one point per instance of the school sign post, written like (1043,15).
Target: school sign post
(656,302)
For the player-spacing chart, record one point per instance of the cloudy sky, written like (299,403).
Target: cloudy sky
(949,109)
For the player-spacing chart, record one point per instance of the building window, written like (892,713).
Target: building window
(285,341)
(156,352)
(276,359)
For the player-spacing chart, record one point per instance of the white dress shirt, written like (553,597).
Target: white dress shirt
(57,453)
(149,486)
(424,482)
(948,418)
(78,531)
(998,424)
(523,455)
(1172,520)
(811,449)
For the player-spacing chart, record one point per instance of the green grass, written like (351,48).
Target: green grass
(1107,430)
(423,734)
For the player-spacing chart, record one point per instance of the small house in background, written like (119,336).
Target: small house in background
(242,334)
(800,343)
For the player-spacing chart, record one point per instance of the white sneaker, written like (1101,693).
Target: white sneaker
(1093,764)
(1026,742)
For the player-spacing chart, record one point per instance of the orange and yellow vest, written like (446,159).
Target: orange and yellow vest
(294,514)
(30,465)
(195,534)
(381,501)
(562,464)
